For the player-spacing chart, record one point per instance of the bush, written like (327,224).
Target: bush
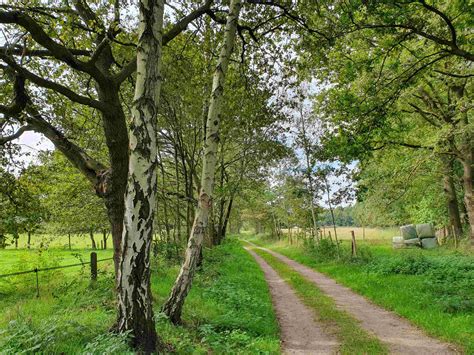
(324,250)
(403,265)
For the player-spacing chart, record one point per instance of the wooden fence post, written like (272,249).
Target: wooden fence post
(93,266)
(37,284)
(354,245)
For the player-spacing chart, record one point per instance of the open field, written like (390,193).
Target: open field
(344,233)
(59,241)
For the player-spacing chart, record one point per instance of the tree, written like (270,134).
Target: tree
(381,72)
(135,306)
(103,59)
(20,207)
(173,306)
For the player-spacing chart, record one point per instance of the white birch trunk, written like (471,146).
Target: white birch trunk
(174,304)
(135,312)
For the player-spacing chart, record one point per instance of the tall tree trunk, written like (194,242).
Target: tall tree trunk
(104,238)
(135,307)
(165,206)
(227,218)
(451,197)
(309,174)
(332,213)
(468,182)
(91,236)
(173,306)
(29,240)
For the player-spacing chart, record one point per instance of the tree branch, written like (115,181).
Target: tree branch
(91,168)
(444,17)
(178,27)
(45,83)
(20,98)
(57,50)
(25,52)
(18,133)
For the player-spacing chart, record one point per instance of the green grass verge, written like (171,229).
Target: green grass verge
(353,339)
(438,302)
(228,310)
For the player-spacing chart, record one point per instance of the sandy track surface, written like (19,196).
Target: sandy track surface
(300,333)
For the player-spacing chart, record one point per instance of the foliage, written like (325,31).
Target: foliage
(20,207)
(450,277)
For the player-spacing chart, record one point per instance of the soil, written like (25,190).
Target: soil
(300,333)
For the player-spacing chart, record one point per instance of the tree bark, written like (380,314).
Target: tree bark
(451,197)
(104,238)
(468,182)
(173,306)
(226,219)
(29,240)
(91,235)
(135,307)
(309,174)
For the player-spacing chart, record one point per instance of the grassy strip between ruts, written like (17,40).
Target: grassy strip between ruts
(354,339)
(228,310)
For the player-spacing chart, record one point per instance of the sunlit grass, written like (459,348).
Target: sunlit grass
(228,310)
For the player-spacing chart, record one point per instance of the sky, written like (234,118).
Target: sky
(32,142)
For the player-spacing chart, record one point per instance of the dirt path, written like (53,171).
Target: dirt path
(300,333)
(400,336)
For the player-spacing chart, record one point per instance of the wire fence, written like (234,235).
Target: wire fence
(93,264)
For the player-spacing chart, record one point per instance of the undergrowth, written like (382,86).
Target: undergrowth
(449,277)
(227,311)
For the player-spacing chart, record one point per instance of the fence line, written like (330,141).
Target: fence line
(50,268)
(93,264)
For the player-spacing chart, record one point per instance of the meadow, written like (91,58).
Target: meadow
(228,310)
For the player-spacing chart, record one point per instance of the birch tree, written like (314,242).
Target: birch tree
(89,47)
(174,304)
(135,307)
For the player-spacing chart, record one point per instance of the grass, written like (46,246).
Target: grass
(58,241)
(353,339)
(434,289)
(344,233)
(228,310)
